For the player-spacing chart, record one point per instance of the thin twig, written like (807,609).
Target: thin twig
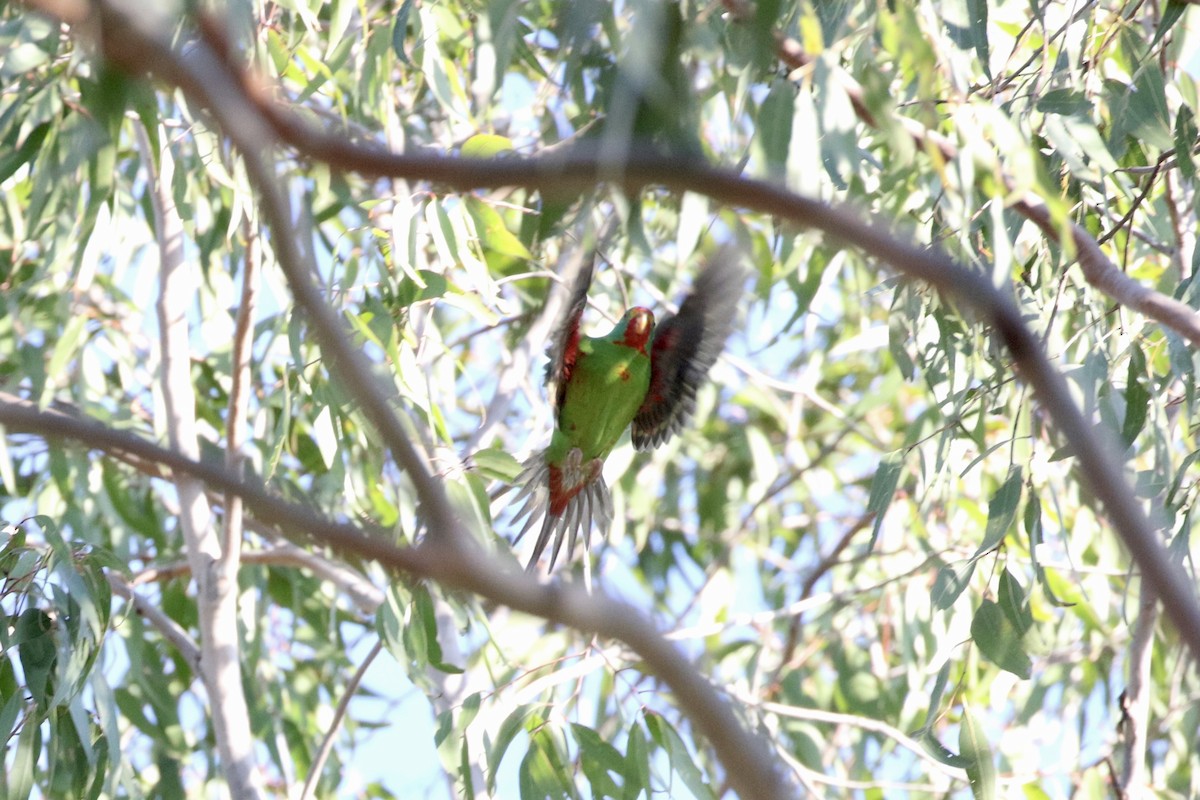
(169,628)
(339,714)
(364,594)
(865,723)
(239,397)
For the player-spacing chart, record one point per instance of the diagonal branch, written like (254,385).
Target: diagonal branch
(752,770)
(169,628)
(339,714)
(579,168)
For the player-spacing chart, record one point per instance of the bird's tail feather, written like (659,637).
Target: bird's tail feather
(590,506)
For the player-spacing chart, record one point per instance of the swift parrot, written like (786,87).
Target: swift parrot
(639,374)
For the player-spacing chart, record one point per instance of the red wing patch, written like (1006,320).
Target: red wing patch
(564,345)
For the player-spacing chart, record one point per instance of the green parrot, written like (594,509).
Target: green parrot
(638,374)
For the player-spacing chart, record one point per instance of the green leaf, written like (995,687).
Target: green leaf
(1002,510)
(1183,471)
(1033,528)
(680,757)
(950,582)
(1000,640)
(24,57)
(883,489)
(637,764)
(67,345)
(774,130)
(763,25)
(339,19)
(38,651)
(513,724)
(1066,102)
(967,21)
(599,760)
(543,773)
(981,769)
(389,624)
(100,771)
(1137,397)
(486,145)
(14,703)
(1186,134)
(427,617)
(409,292)
(939,751)
(1033,791)
(493,234)
(496,464)
(12,159)
(1012,601)
(935,697)
(400,31)
(1171,14)
(1148,103)
(18,778)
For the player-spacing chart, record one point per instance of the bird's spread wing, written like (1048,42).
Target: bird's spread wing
(685,347)
(564,345)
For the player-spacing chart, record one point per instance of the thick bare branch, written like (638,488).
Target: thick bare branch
(753,771)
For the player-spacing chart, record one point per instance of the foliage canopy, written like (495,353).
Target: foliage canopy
(871,538)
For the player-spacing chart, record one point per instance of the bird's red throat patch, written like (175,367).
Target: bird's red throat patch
(639,329)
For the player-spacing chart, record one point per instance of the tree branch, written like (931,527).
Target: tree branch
(748,761)
(216,577)
(239,397)
(169,628)
(357,586)
(1135,700)
(364,594)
